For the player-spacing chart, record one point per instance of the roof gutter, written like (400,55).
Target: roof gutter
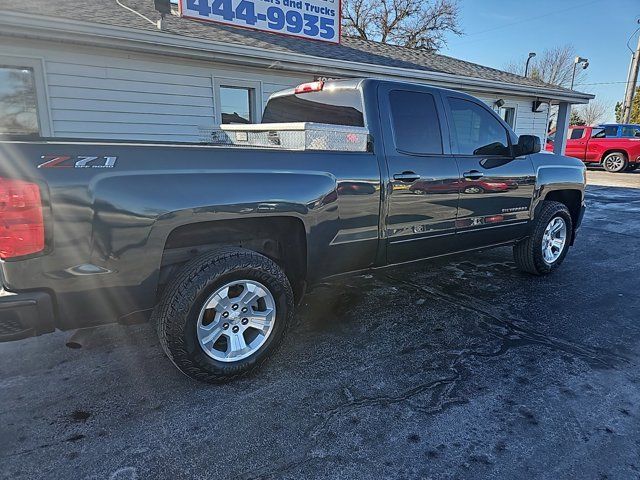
(16,24)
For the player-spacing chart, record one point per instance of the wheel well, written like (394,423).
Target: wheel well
(614,150)
(572,199)
(282,239)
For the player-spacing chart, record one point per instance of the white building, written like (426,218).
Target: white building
(93,69)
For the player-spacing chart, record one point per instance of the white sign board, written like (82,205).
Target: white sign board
(312,19)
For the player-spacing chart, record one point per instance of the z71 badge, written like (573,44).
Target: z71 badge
(77,161)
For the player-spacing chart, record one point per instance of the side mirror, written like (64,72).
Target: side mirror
(637,134)
(527,144)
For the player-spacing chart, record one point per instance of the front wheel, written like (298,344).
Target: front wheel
(615,162)
(224,314)
(545,249)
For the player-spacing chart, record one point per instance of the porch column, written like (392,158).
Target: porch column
(562,128)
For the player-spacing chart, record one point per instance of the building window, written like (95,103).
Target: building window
(18,101)
(236,104)
(508,114)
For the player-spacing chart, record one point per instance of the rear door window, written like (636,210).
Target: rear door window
(416,126)
(341,106)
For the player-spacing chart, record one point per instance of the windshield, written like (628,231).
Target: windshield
(338,107)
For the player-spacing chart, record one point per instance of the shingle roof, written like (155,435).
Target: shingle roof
(350,49)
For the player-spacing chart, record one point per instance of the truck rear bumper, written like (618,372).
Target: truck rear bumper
(25,315)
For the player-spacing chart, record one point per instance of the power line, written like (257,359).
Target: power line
(524,20)
(600,83)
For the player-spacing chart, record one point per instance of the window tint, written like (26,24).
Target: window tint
(18,103)
(338,107)
(576,133)
(610,131)
(416,127)
(475,131)
(599,133)
(235,104)
(630,131)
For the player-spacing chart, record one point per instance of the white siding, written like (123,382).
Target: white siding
(97,93)
(527,121)
(111,94)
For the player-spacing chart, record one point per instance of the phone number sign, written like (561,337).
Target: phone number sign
(312,19)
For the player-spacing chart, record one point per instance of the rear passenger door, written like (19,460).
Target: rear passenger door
(495,187)
(423,177)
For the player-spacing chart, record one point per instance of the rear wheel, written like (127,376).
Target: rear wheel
(615,162)
(545,249)
(224,314)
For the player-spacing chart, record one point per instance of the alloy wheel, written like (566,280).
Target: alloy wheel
(554,240)
(236,320)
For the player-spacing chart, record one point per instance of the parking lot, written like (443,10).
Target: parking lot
(456,368)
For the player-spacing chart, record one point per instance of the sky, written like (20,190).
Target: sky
(498,31)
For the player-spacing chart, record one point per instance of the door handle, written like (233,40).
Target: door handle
(407,177)
(473,175)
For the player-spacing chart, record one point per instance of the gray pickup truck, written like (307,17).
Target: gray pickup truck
(217,244)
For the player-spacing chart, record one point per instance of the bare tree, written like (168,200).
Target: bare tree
(553,65)
(410,23)
(594,112)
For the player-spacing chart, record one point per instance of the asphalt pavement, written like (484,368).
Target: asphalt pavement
(456,368)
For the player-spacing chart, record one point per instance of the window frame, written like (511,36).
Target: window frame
(438,116)
(453,140)
(515,114)
(255,96)
(43,111)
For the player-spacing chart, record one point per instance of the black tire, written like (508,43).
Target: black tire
(615,162)
(528,252)
(176,315)
(633,167)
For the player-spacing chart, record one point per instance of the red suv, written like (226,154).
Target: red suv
(592,146)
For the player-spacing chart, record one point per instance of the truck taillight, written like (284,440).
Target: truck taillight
(309,87)
(21,221)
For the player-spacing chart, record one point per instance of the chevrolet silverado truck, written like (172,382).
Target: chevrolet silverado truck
(594,146)
(217,244)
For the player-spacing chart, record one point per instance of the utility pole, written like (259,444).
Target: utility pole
(631,85)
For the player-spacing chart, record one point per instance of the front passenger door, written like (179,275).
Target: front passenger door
(495,187)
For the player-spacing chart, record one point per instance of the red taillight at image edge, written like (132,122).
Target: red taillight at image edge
(21,219)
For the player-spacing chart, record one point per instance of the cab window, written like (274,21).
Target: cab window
(416,126)
(630,132)
(576,133)
(475,131)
